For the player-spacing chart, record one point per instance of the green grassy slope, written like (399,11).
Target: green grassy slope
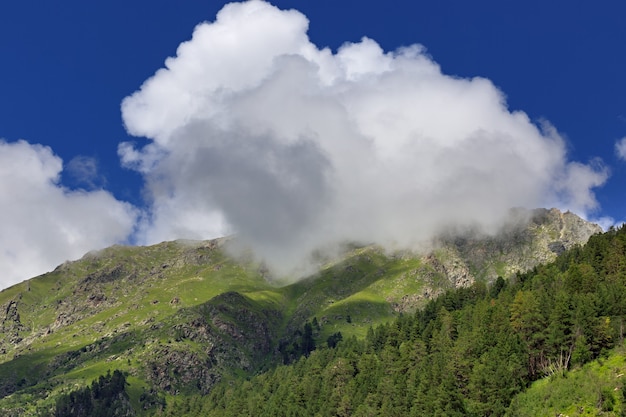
(364,289)
(114,309)
(596,389)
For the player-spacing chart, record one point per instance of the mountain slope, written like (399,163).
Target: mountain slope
(369,286)
(112,309)
(180,316)
(471,352)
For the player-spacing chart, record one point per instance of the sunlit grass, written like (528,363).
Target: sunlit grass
(581,392)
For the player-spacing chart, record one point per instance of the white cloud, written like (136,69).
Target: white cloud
(44,224)
(257,131)
(577,182)
(620,148)
(84,171)
(606,222)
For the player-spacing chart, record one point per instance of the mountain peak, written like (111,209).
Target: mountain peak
(529,238)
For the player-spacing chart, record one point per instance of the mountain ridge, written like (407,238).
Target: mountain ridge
(180,316)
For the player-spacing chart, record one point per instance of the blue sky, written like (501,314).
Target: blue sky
(66,68)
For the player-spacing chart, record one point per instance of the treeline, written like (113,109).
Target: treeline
(469,352)
(302,342)
(106,397)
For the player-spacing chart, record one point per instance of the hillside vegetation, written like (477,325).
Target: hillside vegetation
(182,321)
(469,352)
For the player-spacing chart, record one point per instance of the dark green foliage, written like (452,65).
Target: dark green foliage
(308,344)
(106,397)
(302,343)
(152,400)
(498,285)
(606,400)
(333,339)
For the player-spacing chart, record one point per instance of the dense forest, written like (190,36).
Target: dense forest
(468,352)
(106,397)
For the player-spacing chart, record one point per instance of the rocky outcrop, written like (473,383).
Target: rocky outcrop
(234,335)
(10,325)
(175,369)
(530,238)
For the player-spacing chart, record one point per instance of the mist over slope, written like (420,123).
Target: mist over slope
(254,130)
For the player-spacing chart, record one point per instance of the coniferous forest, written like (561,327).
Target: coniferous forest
(106,397)
(468,352)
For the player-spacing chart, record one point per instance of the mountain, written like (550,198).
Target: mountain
(179,317)
(529,239)
(548,342)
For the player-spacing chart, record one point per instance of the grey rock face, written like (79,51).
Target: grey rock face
(529,239)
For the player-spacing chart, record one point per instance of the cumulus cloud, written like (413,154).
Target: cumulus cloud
(257,131)
(44,224)
(620,148)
